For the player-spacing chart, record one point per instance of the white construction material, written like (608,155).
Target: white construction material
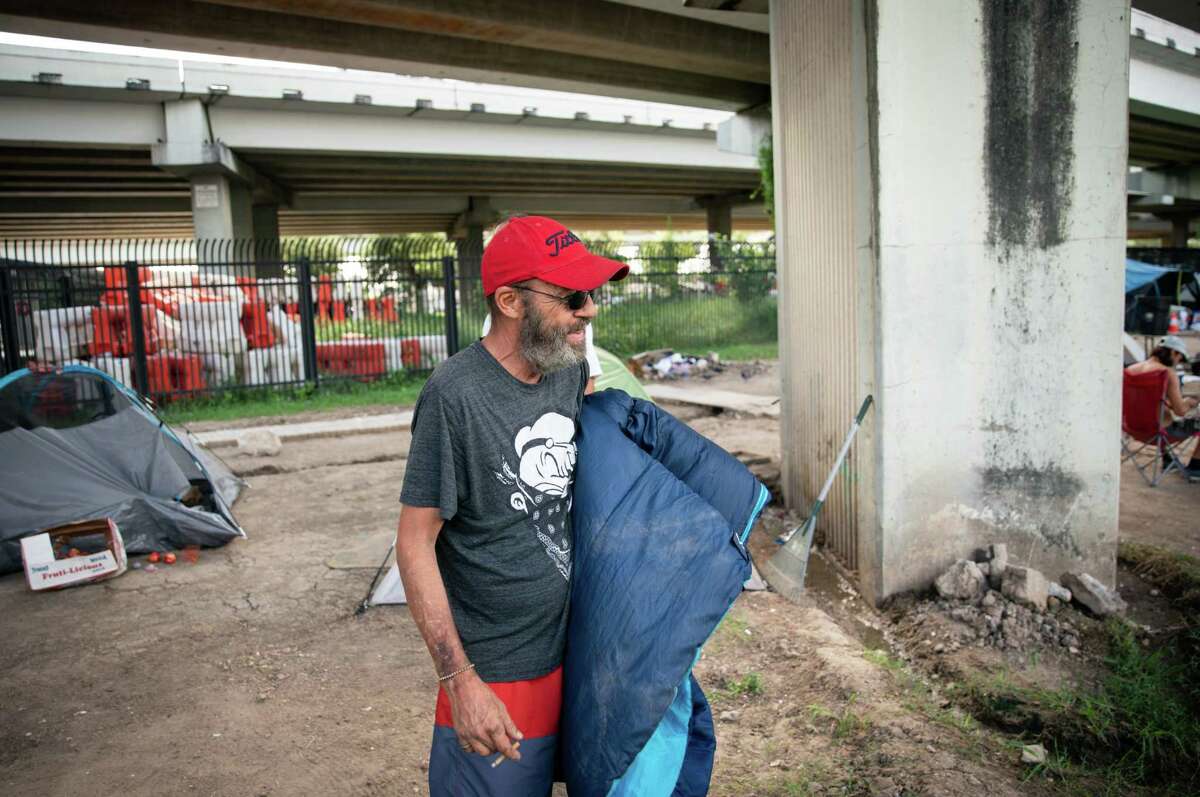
(211,328)
(219,369)
(269,366)
(116,367)
(61,333)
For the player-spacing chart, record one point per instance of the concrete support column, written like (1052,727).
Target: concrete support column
(1181,226)
(222,186)
(267,250)
(950,218)
(719,212)
(221,208)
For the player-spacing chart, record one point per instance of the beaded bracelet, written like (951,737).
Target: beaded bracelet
(459,671)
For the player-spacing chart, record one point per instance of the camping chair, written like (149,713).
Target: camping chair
(1142,398)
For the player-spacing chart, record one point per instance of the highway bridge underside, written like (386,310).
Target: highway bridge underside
(60,192)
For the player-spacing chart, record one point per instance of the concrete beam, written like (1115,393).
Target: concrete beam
(205,27)
(744,133)
(87,206)
(25,120)
(189,147)
(247,130)
(1181,183)
(349,204)
(621,33)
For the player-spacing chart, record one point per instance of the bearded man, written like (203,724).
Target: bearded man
(484,541)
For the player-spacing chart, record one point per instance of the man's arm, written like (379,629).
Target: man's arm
(481,721)
(1179,404)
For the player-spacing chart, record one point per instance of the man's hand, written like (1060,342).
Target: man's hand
(481,721)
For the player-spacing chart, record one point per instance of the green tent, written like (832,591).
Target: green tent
(616,374)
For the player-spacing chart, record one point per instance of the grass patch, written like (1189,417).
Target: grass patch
(740,352)
(847,723)
(397,389)
(810,778)
(693,324)
(1176,574)
(749,685)
(1139,729)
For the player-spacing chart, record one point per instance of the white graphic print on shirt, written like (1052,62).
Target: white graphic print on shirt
(545,466)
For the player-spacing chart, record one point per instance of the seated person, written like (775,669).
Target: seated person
(1170,353)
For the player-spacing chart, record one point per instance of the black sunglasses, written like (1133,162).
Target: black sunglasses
(575,300)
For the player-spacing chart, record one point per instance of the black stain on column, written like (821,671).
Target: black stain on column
(1031,55)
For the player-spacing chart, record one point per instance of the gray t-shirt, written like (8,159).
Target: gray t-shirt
(497,457)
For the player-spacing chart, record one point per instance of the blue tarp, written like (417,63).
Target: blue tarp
(1139,274)
(660,520)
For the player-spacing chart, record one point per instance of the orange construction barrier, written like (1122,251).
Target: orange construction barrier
(175,373)
(389,308)
(365,361)
(111,333)
(116,295)
(339,310)
(372,306)
(410,353)
(256,325)
(324,297)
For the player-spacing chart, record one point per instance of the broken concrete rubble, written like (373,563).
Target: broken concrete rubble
(1025,586)
(1097,598)
(990,621)
(997,563)
(1033,754)
(963,581)
(259,443)
(1059,592)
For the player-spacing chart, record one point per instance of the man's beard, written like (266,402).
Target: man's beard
(546,347)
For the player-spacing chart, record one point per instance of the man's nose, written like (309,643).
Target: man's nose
(588,310)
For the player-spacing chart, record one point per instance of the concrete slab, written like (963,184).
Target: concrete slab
(711,397)
(366,424)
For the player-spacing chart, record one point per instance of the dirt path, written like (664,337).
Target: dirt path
(246,673)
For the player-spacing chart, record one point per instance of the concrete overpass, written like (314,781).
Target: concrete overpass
(951,220)
(304,152)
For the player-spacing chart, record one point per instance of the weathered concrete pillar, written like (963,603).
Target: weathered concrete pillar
(267,250)
(221,208)
(222,186)
(950,214)
(1181,226)
(719,213)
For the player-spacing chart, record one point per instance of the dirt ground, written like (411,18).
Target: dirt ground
(247,673)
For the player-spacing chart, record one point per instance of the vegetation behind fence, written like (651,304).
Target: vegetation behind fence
(218,315)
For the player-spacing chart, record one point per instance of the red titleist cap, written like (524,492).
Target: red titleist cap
(535,247)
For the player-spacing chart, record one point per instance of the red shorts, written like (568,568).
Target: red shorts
(533,706)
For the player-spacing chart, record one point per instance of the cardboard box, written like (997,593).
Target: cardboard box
(48,566)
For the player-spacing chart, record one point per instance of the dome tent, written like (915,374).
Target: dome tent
(76,444)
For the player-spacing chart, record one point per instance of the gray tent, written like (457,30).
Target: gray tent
(75,444)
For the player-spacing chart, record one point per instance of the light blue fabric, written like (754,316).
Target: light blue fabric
(1138,274)
(655,770)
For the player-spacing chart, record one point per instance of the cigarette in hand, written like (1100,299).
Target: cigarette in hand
(500,758)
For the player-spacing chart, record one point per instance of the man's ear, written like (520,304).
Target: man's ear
(509,302)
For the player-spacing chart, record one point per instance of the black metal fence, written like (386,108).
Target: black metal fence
(185,318)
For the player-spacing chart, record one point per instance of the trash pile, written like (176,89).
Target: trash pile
(670,364)
(991,603)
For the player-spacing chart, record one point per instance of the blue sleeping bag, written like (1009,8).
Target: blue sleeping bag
(660,519)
